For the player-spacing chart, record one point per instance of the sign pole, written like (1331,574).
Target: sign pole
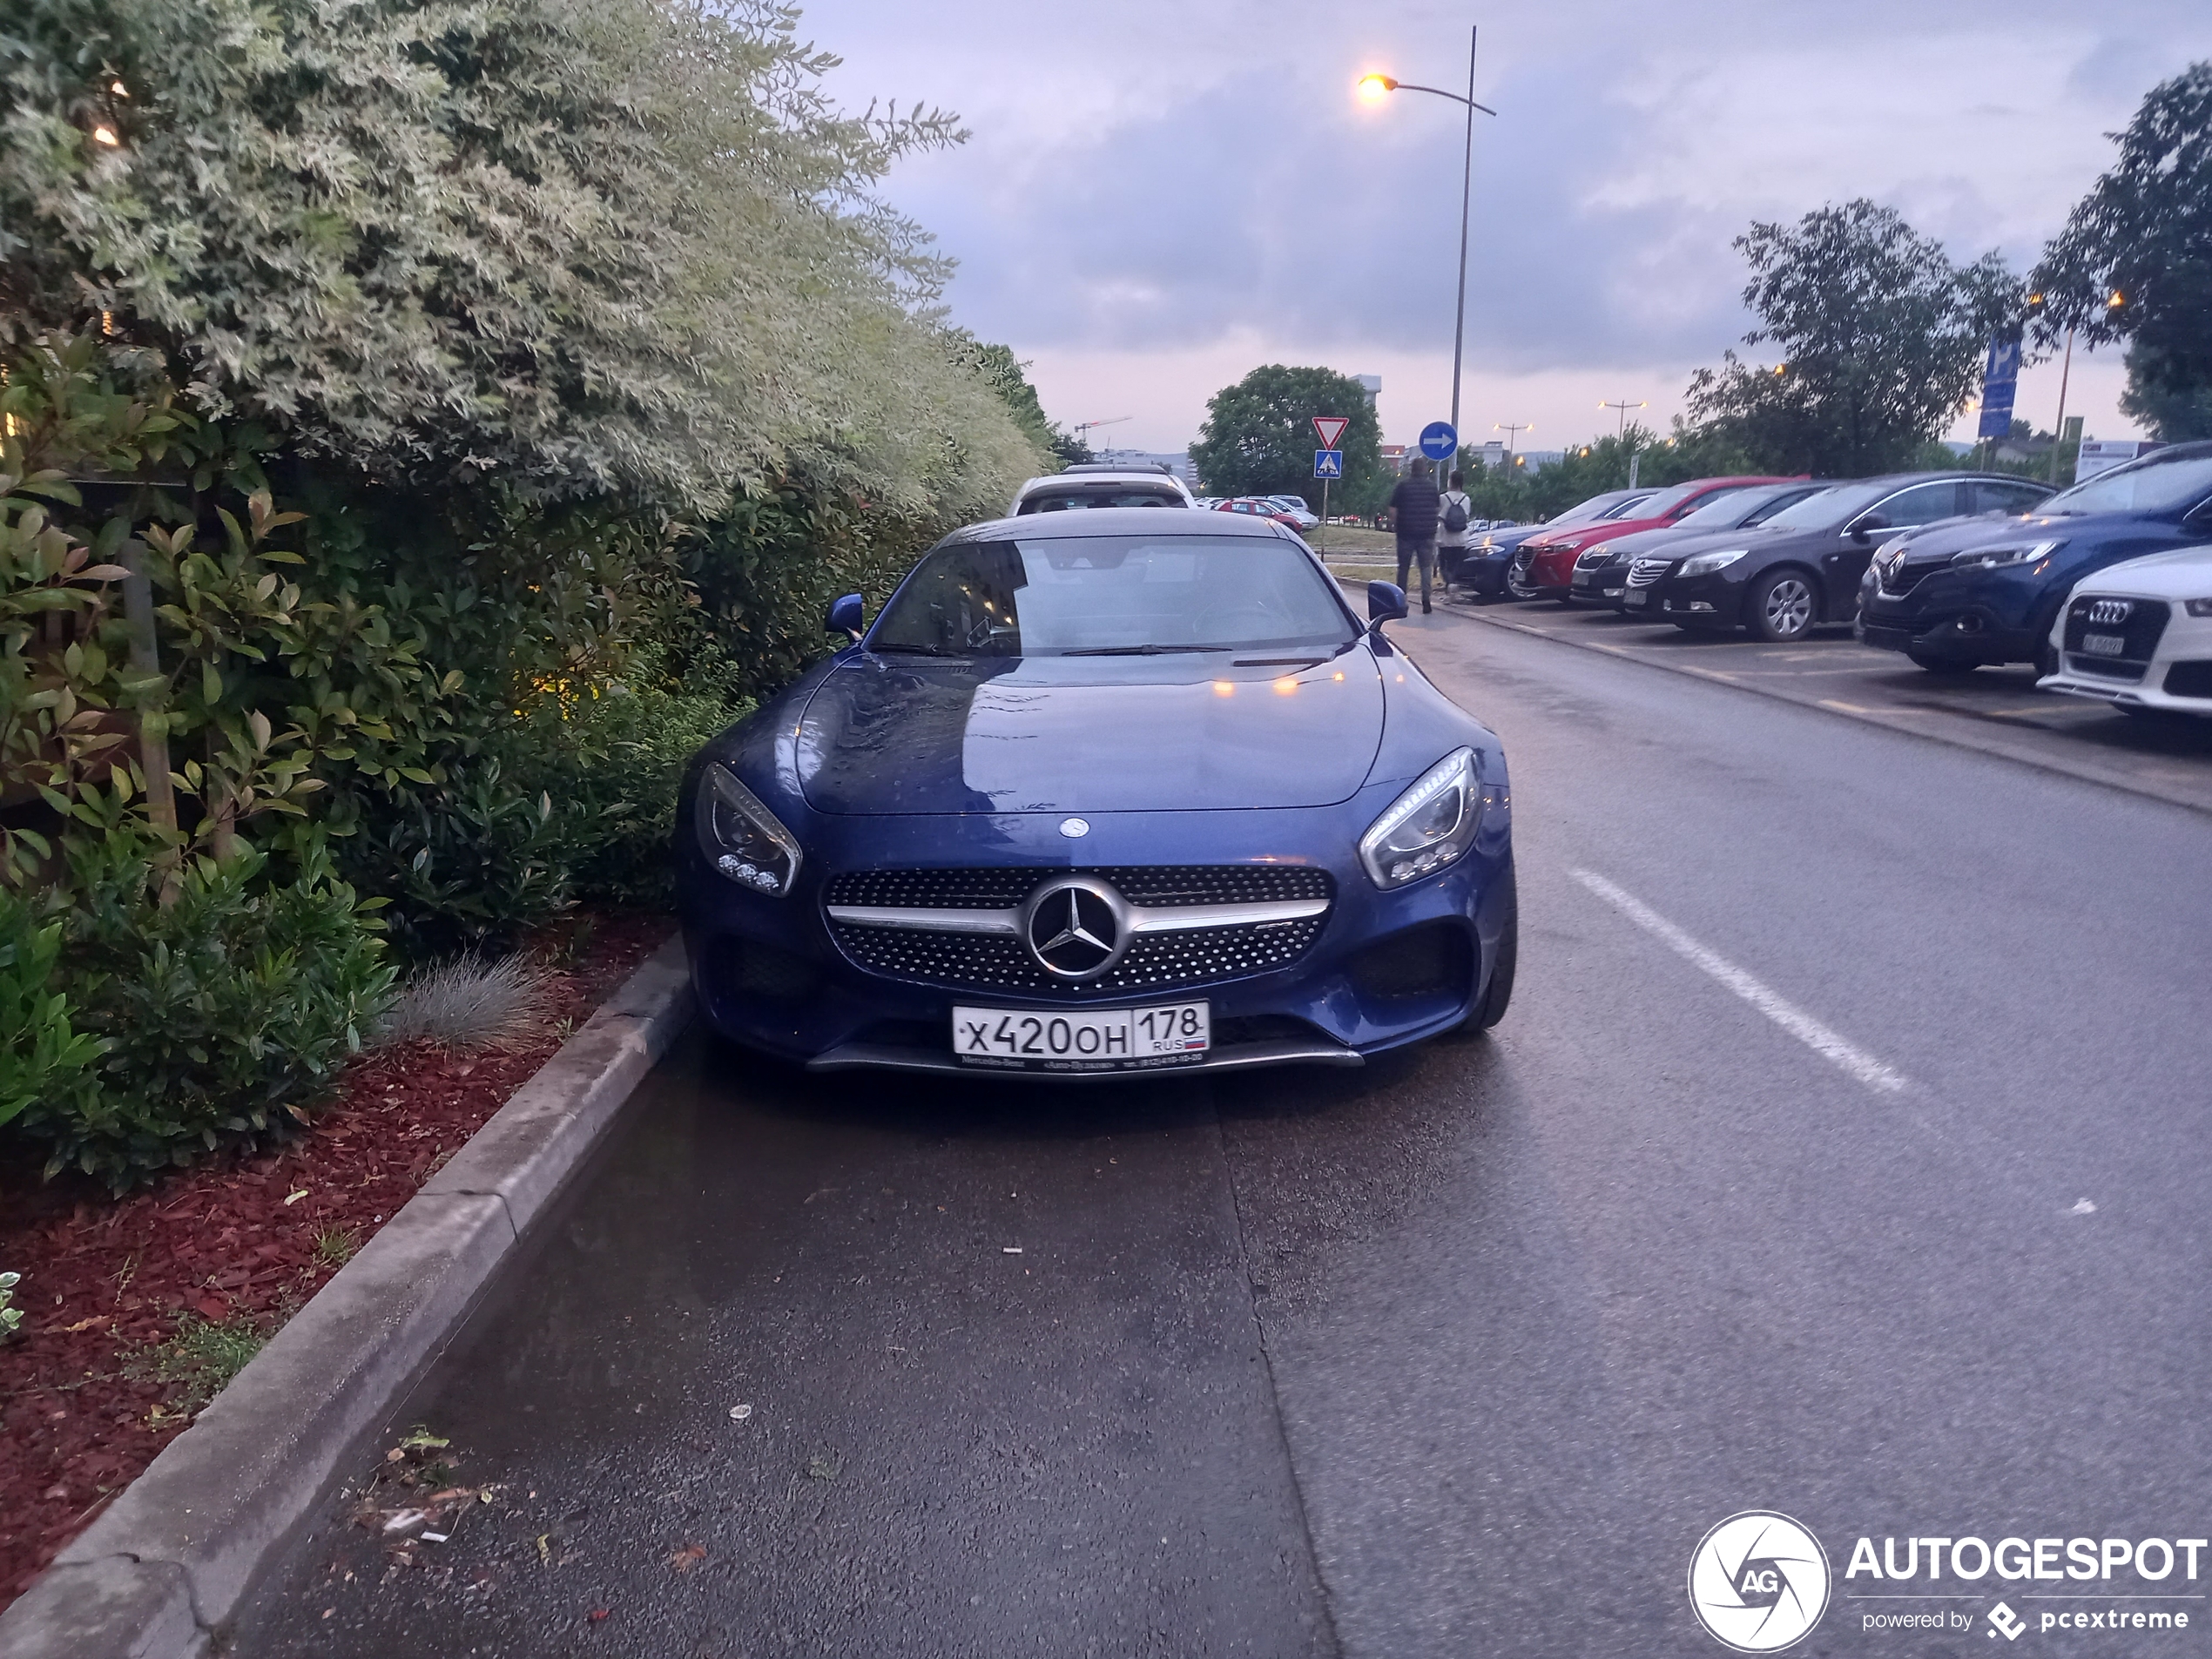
(1321,532)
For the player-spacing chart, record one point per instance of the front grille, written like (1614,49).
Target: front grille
(2106,668)
(2141,625)
(1154,962)
(1906,577)
(1645,572)
(2189,680)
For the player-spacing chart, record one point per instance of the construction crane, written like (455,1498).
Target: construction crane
(1082,427)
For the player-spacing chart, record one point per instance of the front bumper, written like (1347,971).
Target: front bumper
(1602,585)
(2169,666)
(1980,617)
(770,974)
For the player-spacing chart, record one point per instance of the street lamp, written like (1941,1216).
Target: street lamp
(1375,88)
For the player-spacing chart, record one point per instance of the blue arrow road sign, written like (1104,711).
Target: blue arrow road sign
(1328,463)
(1439,442)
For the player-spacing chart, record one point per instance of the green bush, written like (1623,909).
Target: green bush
(225,1010)
(42,1053)
(611,763)
(9,1317)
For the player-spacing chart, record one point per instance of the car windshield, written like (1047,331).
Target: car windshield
(1114,596)
(1724,509)
(1598,506)
(1064,500)
(1827,507)
(2159,483)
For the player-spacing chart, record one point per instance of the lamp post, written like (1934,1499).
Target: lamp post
(1624,406)
(1374,88)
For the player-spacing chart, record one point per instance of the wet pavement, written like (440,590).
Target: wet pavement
(1460,1354)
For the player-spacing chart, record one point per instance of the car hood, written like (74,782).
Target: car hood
(1057,734)
(2185,573)
(1935,544)
(1579,537)
(1677,543)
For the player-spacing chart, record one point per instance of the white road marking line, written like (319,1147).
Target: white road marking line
(1787,1015)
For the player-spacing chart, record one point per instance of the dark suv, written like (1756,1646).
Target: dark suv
(1955,597)
(1802,567)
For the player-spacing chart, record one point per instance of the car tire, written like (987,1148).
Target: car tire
(1783,606)
(1949,667)
(1499,992)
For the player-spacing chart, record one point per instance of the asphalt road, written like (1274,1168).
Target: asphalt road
(1843,1154)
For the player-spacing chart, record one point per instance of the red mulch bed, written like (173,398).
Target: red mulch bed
(104,1279)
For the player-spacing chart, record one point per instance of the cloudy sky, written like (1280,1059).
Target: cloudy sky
(1160,194)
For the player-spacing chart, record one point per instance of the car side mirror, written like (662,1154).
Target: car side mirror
(1862,529)
(1386,603)
(845,617)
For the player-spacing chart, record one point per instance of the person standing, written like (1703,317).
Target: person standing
(1412,517)
(1455,511)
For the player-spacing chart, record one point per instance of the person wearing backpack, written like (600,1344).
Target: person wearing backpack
(1455,511)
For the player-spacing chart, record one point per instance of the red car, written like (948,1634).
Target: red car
(1544,566)
(1260,507)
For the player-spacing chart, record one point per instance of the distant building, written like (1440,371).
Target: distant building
(1373,385)
(1179,463)
(1393,459)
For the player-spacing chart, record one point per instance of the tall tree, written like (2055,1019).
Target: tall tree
(583,245)
(1258,436)
(1881,340)
(2135,260)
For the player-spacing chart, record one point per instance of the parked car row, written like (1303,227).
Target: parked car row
(2106,587)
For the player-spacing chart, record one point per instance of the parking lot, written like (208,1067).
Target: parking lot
(1997,711)
(1388,1360)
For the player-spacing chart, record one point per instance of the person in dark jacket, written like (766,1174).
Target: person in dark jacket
(1413,515)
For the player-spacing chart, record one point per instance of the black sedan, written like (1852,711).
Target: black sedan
(1802,567)
(1602,572)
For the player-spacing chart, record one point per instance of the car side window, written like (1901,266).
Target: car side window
(2006,498)
(1922,504)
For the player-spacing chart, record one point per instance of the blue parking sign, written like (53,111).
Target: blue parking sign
(2000,381)
(1328,463)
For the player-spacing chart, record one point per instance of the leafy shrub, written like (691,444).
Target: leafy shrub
(42,1053)
(466,1002)
(225,1011)
(9,1317)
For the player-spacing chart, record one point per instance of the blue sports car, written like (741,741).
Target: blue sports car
(1098,793)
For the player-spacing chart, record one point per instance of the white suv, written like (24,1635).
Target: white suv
(1099,483)
(2138,634)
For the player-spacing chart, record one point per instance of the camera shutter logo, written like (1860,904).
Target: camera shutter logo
(1758,1581)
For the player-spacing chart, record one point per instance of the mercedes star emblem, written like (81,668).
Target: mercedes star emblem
(1076,927)
(1072,827)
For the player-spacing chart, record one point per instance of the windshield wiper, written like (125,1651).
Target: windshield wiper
(917,650)
(1138,651)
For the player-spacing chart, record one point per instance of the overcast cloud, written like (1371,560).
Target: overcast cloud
(1159,196)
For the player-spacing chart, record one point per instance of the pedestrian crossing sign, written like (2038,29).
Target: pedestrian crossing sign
(1328,463)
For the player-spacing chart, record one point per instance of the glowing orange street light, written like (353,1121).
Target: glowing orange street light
(1375,88)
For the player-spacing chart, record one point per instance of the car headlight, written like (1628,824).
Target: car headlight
(2023,553)
(1706,563)
(2197,607)
(1428,827)
(743,836)
(1591,558)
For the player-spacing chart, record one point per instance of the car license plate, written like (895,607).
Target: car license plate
(1637,597)
(2104,644)
(1163,1034)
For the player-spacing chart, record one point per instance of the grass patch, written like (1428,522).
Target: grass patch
(201,1358)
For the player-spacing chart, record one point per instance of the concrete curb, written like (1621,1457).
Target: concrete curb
(174,1557)
(1994,744)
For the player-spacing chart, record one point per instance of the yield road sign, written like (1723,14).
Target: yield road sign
(1439,441)
(1331,427)
(1328,463)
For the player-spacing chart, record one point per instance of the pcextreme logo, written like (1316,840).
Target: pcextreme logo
(1758,1581)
